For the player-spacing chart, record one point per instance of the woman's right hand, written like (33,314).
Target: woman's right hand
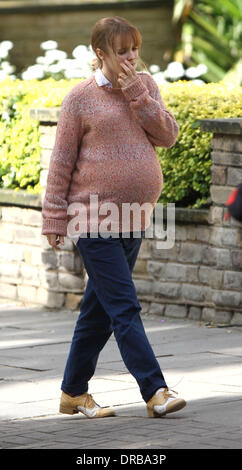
(54,240)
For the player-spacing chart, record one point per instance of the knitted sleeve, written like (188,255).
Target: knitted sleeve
(150,111)
(62,162)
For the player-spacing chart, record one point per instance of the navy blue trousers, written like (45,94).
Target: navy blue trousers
(109,305)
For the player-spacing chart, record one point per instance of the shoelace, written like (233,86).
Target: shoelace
(168,394)
(89,402)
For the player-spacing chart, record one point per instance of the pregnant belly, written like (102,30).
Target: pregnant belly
(134,180)
(137,181)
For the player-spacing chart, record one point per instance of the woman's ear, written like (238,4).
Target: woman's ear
(100,53)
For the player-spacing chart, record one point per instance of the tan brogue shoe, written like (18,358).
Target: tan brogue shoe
(164,402)
(85,404)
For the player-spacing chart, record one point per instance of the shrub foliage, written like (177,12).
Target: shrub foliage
(185,167)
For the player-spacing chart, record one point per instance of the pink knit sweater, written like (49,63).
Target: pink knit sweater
(105,153)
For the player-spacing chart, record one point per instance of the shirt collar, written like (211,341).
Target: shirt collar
(101,79)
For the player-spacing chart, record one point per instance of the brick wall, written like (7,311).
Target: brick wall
(30,271)
(199,278)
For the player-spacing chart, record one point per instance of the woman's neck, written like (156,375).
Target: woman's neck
(111,77)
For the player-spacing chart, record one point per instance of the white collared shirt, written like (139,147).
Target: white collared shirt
(101,79)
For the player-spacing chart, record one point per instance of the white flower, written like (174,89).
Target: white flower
(3,53)
(77,72)
(73,73)
(84,56)
(47,45)
(86,71)
(91,51)
(202,68)
(33,72)
(79,52)
(74,65)
(6,45)
(56,55)
(159,78)
(3,75)
(154,68)
(195,72)
(67,63)
(40,60)
(174,71)
(89,57)
(198,82)
(7,67)
(192,72)
(55,68)
(46,61)
(4,48)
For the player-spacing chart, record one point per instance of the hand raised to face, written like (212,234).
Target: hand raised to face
(128,75)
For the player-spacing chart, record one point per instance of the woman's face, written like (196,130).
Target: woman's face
(129,52)
(112,61)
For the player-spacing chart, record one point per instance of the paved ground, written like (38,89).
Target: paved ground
(203,364)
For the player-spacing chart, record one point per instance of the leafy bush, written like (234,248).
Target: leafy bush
(19,134)
(186,166)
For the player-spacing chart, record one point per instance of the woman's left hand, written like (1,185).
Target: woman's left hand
(129,74)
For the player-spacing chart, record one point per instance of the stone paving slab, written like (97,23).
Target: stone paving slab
(203,364)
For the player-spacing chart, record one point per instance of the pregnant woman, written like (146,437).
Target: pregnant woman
(108,128)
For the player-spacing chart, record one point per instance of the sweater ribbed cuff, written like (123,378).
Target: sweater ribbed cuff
(57,226)
(132,91)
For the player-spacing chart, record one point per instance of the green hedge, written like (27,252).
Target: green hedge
(186,166)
